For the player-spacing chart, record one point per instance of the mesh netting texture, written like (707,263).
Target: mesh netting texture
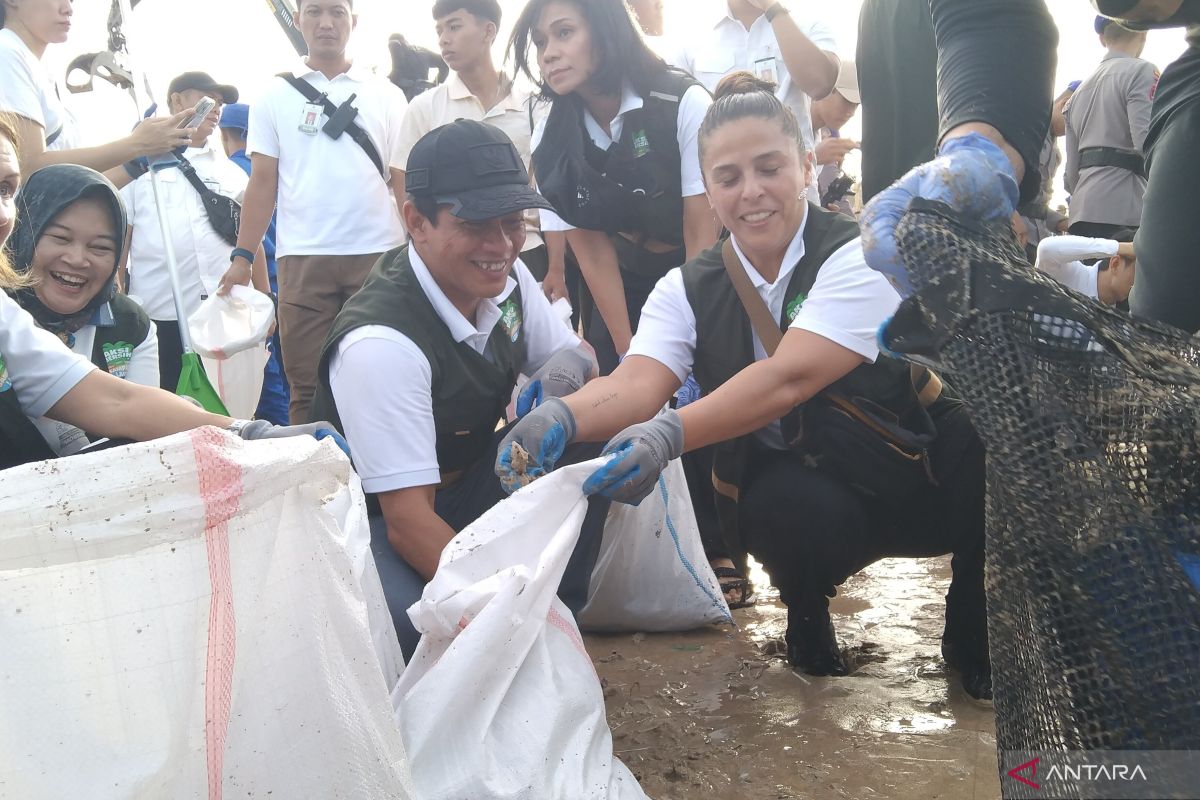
(1093,553)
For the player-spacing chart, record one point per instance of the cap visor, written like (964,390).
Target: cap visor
(490,202)
(229,94)
(850,94)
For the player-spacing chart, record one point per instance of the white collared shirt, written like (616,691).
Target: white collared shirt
(517,114)
(1061,257)
(28,90)
(846,305)
(692,108)
(727,46)
(200,252)
(331,199)
(34,363)
(383,383)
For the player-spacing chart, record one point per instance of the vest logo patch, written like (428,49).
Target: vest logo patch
(793,308)
(117,357)
(641,144)
(5,383)
(510,319)
(583,196)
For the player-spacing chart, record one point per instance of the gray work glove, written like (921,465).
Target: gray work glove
(642,453)
(261,429)
(564,373)
(534,444)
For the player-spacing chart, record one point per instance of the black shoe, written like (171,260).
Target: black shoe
(976,671)
(812,645)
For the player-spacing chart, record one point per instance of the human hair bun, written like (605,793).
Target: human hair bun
(742,82)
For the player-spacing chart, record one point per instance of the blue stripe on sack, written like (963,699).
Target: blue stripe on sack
(662,486)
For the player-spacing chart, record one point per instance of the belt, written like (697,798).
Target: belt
(1112,157)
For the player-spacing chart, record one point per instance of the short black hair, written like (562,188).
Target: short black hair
(1115,32)
(427,207)
(621,53)
(1119,235)
(483,9)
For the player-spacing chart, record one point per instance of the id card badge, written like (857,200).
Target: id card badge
(765,69)
(310,118)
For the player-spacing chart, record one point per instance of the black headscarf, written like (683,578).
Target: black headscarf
(43,197)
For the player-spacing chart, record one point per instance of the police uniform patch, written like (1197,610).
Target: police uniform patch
(793,308)
(510,319)
(117,356)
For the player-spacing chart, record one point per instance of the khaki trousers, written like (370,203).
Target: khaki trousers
(312,290)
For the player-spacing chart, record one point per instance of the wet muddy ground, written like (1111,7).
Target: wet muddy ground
(717,713)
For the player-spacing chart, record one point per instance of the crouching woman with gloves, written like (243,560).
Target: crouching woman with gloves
(830,456)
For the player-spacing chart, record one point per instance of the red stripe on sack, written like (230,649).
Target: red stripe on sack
(556,620)
(220,491)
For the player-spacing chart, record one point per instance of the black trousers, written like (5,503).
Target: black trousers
(1095,230)
(170,354)
(811,530)
(476,491)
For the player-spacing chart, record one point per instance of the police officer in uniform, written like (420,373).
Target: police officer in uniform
(797,479)
(423,360)
(1108,119)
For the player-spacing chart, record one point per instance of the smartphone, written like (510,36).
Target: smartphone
(203,108)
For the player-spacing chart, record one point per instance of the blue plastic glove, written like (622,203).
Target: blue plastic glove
(543,434)
(564,373)
(971,175)
(261,429)
(688,393)
(642,452)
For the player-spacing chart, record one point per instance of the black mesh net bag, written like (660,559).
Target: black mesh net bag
(1092,428)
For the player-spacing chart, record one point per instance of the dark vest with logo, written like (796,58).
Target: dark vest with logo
(635,186)
(724,344)
(470,392)
(20,440)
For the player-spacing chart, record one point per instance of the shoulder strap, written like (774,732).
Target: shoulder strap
(760,316)
(189,172)
(355,131)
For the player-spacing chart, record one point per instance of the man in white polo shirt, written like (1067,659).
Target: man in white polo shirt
(326,147)
(476,90)
(421,363)
(794,51)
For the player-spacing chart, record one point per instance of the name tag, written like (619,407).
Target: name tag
(310,117)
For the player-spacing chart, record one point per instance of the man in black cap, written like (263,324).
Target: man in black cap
(422,361)
(202,253)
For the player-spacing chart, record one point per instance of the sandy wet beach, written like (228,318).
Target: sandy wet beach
(717,713)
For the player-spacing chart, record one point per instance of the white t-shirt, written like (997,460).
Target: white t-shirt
(142,368)
(389,423)
(517,114)
(200,252)
(28,90)
(332,200)
(727,46)
(846,305)
(1061,257)
(35,363)
(692,108)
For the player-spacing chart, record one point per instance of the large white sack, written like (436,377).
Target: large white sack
(501,699)
(192,617)
(652,574)
(229,331)
(238,379)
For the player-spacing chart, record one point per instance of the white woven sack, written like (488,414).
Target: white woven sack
(501,700)
(652,574)
(194,617)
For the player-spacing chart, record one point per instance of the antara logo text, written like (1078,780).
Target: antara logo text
(1027,773)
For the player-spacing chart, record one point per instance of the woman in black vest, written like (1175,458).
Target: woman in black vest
(68,241)
(827,455)
(39,376)
(612,156)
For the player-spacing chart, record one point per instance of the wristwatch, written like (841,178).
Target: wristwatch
(774,11)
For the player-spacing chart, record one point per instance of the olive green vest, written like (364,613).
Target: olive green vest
(724,344)
(115,343)
(470,391)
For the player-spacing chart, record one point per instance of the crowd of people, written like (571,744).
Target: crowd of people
(687,199)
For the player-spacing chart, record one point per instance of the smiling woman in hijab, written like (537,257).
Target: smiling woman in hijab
(67,241)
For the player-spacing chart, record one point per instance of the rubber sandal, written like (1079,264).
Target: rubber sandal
(731,579)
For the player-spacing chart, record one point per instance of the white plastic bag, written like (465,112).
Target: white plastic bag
(194,616)
(229,332)
(501,699)
(652,574)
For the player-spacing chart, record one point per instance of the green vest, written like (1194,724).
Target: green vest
(724,344)
(115,343)
(470,392)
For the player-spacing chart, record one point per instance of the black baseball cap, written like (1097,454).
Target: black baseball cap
(472,167)
(205,83)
